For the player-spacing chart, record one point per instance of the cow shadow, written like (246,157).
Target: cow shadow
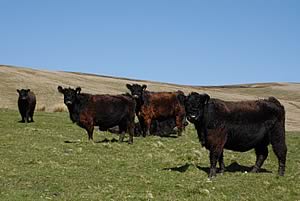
(105,140)
(99,141)
(71,141)
(182,168)
(234,167)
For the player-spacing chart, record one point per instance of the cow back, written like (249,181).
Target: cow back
(161,104)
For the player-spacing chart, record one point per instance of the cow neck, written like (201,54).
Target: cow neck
(201,126)
(75,108)
(203,120)
(140,102)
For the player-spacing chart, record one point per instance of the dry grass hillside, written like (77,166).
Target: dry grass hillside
(44,84)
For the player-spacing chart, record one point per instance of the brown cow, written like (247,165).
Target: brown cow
(105,111)
(238,126)
(157,106)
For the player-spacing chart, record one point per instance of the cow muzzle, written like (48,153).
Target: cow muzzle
(68,102)
(135,96)
(192,118)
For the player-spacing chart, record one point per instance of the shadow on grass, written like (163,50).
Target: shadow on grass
(99,141)
(235,167)
(108,140)
(72,141)
(182,168)
(24,122)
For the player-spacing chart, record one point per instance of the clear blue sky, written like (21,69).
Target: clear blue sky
(194,42)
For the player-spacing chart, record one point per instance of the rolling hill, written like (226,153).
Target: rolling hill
(44,84)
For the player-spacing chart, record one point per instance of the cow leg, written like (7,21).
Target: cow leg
(179,124)
(27,116)
(221,163)
(147,126)
(280,151)
(279,147)
(142,124)
(122,129)
(90,130)
(31,116)
(23,119)
(213,157)
(131,132)
(261,155)
(122,135)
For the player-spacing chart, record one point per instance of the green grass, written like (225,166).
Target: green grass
(36,163)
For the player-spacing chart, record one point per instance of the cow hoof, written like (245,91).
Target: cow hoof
(254,170)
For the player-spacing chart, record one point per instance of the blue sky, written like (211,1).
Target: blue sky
(193,42)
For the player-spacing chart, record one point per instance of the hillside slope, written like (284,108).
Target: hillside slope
(44,84)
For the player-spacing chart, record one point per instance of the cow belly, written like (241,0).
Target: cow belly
(108,121)
(244,138)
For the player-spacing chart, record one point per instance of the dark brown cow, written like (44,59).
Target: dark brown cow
(238,126)
(157,106)
(105,111)
(26,104)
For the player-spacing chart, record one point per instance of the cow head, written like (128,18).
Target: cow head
(69,94)
(23,93)
(194,105)
(136,90)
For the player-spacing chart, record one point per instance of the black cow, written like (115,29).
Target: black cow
(159,106)
(238,126)
(105,111)
(26,104)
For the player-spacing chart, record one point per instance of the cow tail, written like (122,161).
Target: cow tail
(279,110)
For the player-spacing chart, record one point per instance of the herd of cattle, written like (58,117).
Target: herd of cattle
(238,126)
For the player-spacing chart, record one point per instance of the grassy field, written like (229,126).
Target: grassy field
(52,159)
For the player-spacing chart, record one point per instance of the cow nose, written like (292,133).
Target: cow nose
(135,96)
(193,116)
(68,102)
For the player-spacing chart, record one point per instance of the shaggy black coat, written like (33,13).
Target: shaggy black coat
(26,104)
(238,126)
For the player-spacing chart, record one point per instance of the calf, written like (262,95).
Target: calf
(105,111)
(238,126)
(26,104)
(157,106)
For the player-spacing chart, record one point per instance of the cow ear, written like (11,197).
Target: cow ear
(28,90)
(18,91)
(182,98)
(144,86)
(60,89)
(129,86)
(78,89)
(206,98)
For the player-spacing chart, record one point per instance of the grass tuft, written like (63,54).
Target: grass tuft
(60,108)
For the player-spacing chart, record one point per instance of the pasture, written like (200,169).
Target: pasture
(52,159)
